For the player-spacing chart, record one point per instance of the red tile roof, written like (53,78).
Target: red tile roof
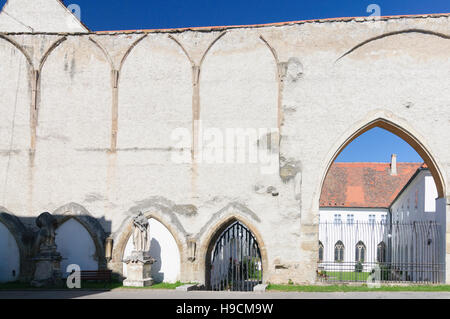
(365,184)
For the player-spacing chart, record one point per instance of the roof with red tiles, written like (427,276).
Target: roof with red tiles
(365,185)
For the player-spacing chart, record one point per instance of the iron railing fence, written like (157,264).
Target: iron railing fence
(236,263)
(385,252)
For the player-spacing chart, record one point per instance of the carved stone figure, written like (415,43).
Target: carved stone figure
(139,264)
(47,260)
(46,236)
(141,233)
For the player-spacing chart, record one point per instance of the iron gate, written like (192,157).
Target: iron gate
(236,263)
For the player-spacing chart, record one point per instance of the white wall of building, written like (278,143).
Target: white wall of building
(9,256)
(164,249)
(417,202)
(76,246)
(351,234)
(423,243)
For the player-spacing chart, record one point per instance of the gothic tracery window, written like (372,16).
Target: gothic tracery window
(320,251)
(339,251)
(360,252)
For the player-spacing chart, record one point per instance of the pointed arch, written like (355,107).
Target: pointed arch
(20,48)
(208,240)
(385,35)
(49,51)
(90,223)
(381,252)
(127,53)
(105,53)
(161,214)
(22,238)
(387,123)
(321,251)
(339,251)
(360,251)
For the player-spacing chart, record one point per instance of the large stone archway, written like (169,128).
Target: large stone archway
(403,130)
(208,241)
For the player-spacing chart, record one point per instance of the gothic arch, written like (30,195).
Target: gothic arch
(20,48)
(387,122)
(161,214)
(19,232)
(127,53)
(385,35)
(90,223)
(208,239)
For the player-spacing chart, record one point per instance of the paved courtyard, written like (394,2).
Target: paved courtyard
(170,294)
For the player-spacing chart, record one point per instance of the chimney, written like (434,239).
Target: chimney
(394,165)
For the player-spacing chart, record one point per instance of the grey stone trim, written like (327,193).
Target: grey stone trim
(24,239)
(232,209)
(92,225)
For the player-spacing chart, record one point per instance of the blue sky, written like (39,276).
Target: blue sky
(150,14)
(376,145)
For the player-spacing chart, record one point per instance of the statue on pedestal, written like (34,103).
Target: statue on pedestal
(141,232)
(47,260)
(140,262)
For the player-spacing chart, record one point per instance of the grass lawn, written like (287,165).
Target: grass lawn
(89,286)
(362,288)
(347,276)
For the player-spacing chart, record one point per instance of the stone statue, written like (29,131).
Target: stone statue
(139,264)
(46,236)
(141,233)
(47,259)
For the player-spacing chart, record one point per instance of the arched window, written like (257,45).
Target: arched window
(381,252)
(360,252)
(320,251)
(339,251)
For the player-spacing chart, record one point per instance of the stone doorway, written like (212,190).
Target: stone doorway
(235,263)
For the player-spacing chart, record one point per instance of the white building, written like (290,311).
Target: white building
(417,233)
(374,213)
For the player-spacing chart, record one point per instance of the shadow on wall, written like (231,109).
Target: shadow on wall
(155,252)
(80,239)
(164,249)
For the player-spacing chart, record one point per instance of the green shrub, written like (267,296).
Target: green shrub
(359,267)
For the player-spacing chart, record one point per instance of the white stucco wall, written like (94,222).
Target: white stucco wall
(418,201)
(38,16)
(9,256)
(76,246)
(325,97)
(164,249)
(351,234)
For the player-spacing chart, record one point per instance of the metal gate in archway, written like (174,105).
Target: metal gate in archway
(236,263)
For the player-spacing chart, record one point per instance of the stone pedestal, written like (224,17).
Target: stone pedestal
(48,268)
(139,269)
